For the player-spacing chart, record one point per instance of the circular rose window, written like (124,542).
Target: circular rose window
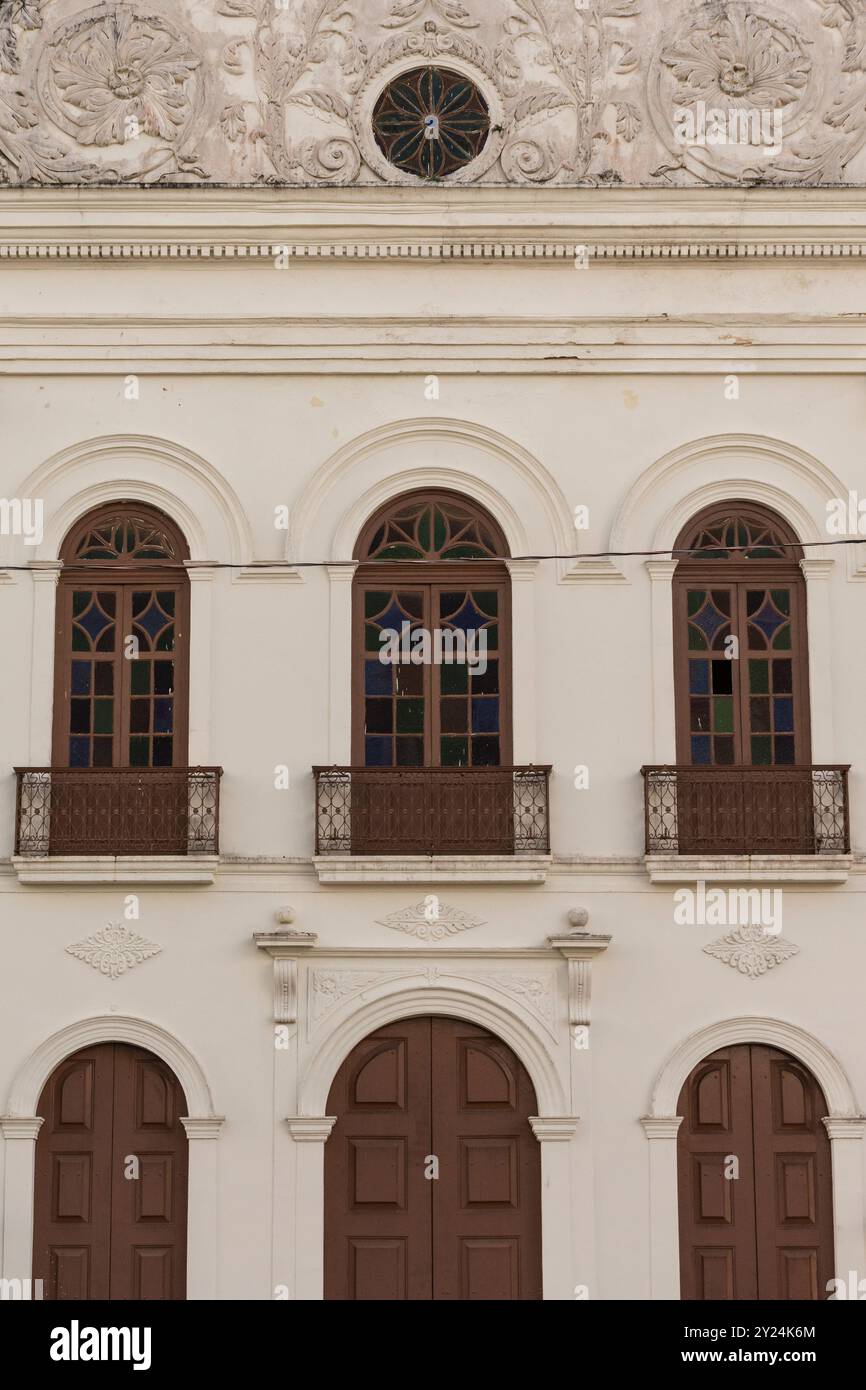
(431,122)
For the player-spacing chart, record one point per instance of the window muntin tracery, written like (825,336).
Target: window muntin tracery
(120,703)
(431,122)
(742,581)
(429,566)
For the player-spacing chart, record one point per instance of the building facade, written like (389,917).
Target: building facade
(432,818)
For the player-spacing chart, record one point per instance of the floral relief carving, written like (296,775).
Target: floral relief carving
(578,92)
(120,71)
(113,950)
(751,950)
(430,920)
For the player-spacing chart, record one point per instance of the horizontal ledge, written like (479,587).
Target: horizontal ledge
(109,868)
(435,868)
(749,868)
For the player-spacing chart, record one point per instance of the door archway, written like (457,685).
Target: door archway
(754,1178)
(432,1171)
(111,1178)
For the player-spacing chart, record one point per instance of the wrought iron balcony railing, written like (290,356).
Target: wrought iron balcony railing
(432,810)
(117,810)
(746,810)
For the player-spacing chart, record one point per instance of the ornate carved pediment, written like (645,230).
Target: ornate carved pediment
(330,92)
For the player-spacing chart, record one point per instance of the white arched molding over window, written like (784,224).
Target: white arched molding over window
(20,1127)
(845,1125)
(201,582)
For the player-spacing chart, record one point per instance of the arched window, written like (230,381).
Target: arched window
(431,623)
(742,688)
(121,670)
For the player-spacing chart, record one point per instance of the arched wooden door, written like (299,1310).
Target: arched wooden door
(432,1172)
(755,1184)
(111,1178)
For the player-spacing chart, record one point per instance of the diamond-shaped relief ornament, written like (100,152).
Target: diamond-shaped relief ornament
(113,950)
(751,950)
(430,920)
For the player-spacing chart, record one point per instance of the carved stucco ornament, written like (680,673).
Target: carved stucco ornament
(579,92)
(751,950)
(430,920)
(114,950)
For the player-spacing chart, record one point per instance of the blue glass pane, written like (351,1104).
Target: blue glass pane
(81,677)
(79,752)
(485,716)
(378,678)
(393,617)
(701,749)
(709,620)
(468,618)
(377,752)
(768,620)
(152,620)
(783,714)
(162,721)
(699,677)
(93,622)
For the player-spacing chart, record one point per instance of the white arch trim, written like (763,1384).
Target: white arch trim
(32,1076)
(132,457)
(20,1127)
(845,1126)
(773,1032)
(311,1127)
(454,432)
(455,1002)
(728,453)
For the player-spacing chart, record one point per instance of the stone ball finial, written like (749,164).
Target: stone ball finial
(578,917)
(285,916)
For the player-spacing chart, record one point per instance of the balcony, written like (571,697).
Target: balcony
(789,823)
(75,825)
(460,824)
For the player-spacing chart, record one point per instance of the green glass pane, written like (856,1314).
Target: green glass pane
(79,640)
(440,530)
(759,677)
(454,752)
(697,640)
(374,602)
(488,602)
(103,716)
(400,552)
(410,716)
(782,600)
(453,679)
(165,641)
(696,601)
(424,529)
(140,677)
(491,637)
(782,640)
(372,642)
(80,600)
(138,752)
(165,599)
(723,713)
(762,755)
(463,552)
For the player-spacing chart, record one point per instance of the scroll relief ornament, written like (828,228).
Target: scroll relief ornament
(430,920)
(752,950)
(114,950)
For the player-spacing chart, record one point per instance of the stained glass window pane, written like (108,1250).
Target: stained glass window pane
(485,751)
(377,752)
(454,752)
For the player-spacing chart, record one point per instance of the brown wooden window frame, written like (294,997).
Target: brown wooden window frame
(738,573)
(121,576)
(432,576)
